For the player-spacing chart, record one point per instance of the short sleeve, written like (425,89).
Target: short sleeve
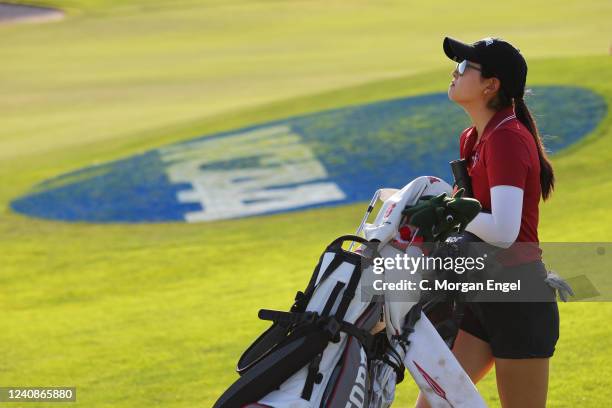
(506,159)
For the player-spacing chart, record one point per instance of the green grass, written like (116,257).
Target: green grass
(121,68)
(144,315)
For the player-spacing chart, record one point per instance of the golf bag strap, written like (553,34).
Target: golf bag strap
(396,364)
(302,298)
(363,336)
(288,318)
(312,377)
(332,298)
(455,321)
(337,243)
(328,324)
(449,327)
(349,293)
(410,321)
(382,350)
(300,303)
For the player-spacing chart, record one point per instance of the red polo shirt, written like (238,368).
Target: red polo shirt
(507,154)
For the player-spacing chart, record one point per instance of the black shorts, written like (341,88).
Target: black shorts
(514,329)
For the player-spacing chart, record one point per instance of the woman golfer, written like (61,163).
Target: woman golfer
(509,172)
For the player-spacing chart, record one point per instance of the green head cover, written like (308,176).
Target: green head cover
(439,216)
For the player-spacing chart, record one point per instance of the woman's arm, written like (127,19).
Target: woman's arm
(507,164)
(501,227)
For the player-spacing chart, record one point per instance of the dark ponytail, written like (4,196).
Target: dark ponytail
(502,100)
(547,175)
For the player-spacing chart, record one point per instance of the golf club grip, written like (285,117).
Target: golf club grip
(462,177)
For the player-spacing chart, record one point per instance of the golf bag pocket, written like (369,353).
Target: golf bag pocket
(348,382)
(299,360)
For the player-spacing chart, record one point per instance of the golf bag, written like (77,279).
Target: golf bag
(317,353)
(329,350)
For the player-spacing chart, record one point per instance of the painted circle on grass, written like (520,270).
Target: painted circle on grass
(327,158)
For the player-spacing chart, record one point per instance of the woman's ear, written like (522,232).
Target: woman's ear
(492,86)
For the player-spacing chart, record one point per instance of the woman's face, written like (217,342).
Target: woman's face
(467,88)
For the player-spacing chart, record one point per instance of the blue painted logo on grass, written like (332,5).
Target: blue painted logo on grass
(321,159)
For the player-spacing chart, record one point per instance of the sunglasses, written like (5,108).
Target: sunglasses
(463,65)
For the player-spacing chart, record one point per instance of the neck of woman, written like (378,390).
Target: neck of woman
(480,116)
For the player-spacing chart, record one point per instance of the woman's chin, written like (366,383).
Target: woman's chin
(454,96)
